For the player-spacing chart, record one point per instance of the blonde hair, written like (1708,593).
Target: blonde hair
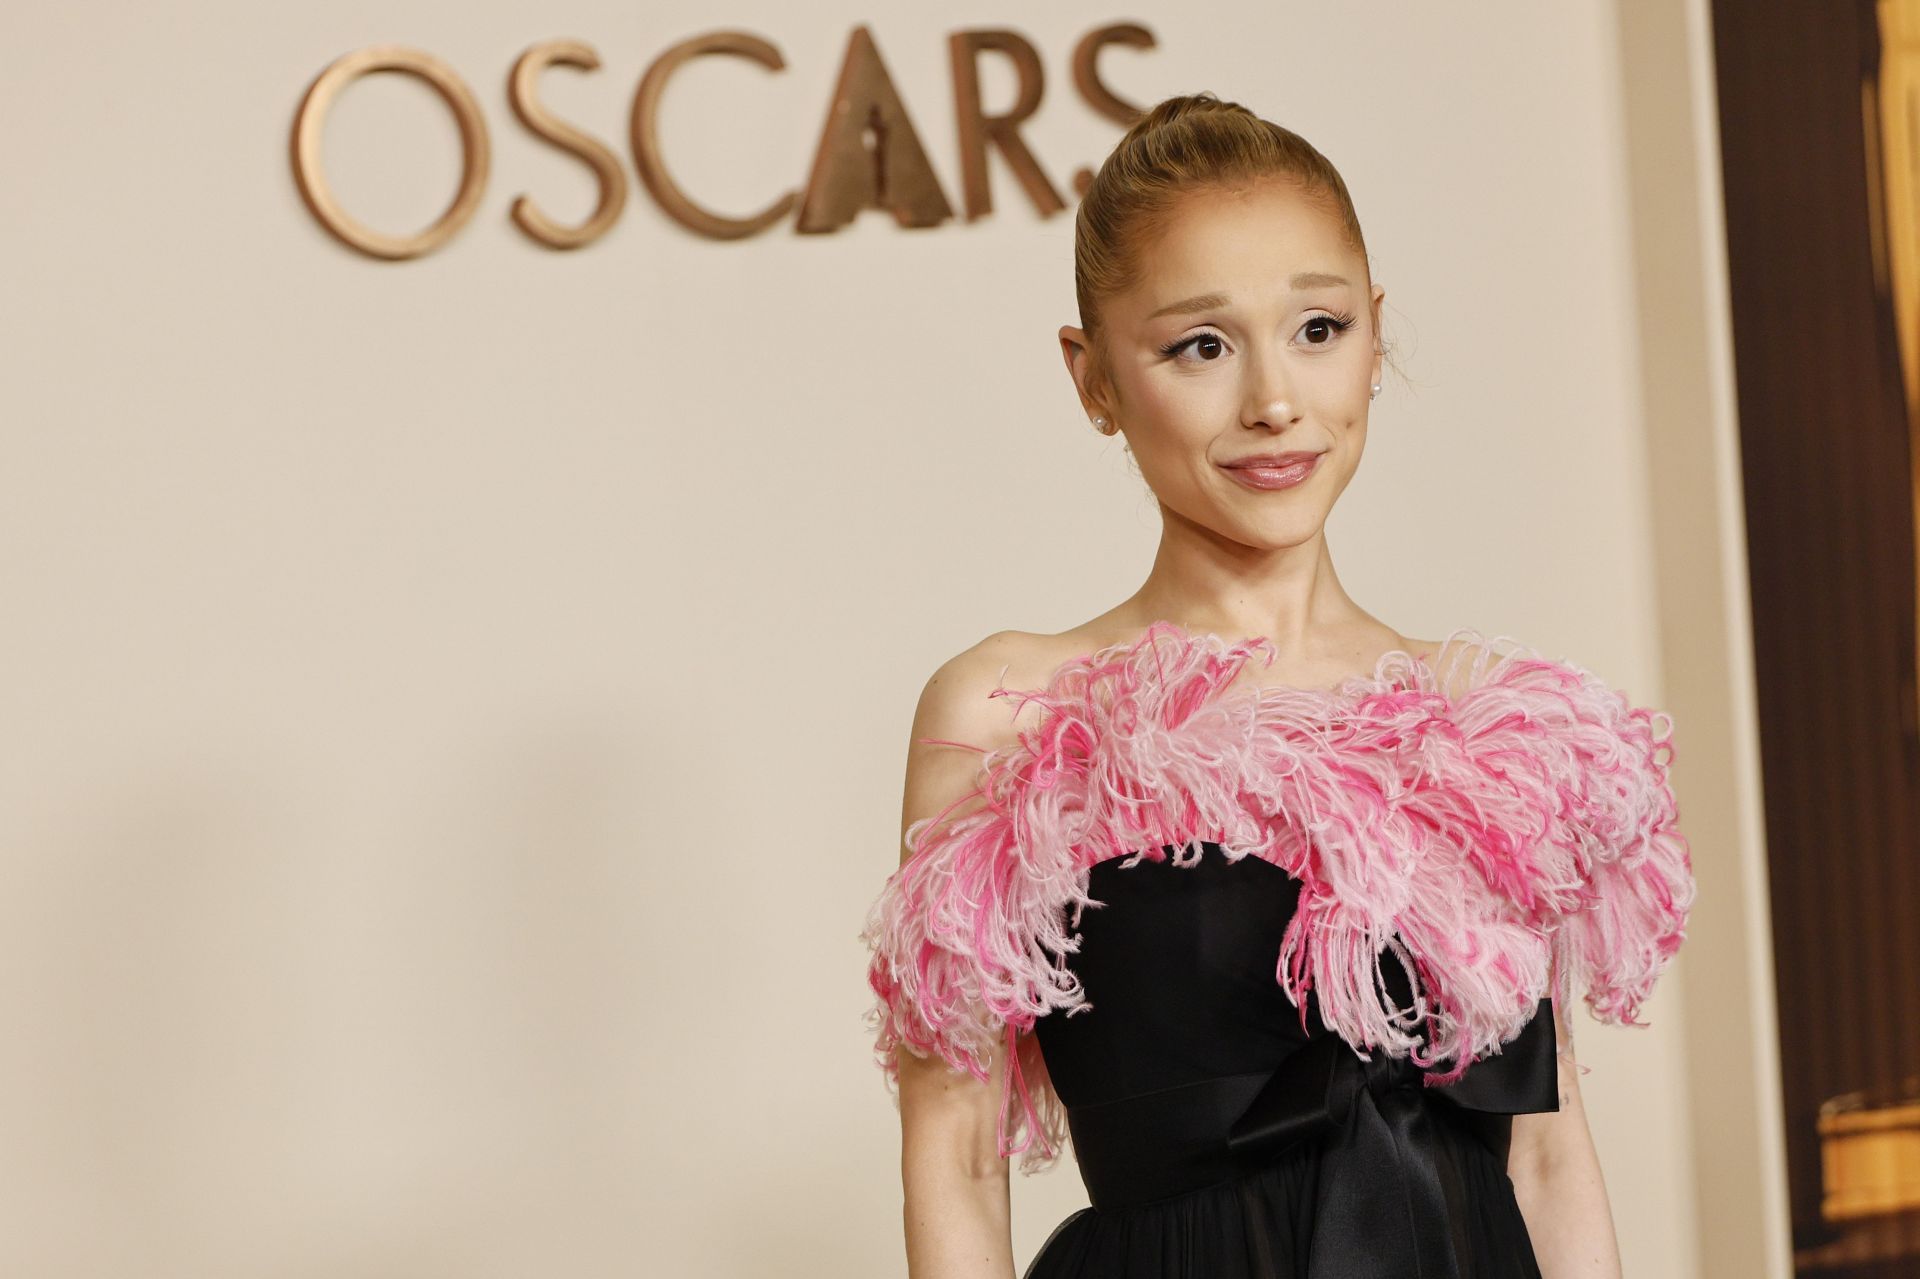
(1184,145)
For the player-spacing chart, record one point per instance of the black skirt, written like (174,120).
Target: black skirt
(1261,1226)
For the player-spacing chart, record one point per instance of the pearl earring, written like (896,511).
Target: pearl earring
(1376,391)
(1100,424)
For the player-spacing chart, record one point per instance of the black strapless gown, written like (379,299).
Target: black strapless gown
(1219,1139)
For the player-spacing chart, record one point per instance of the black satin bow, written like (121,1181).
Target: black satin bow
(1381,1211)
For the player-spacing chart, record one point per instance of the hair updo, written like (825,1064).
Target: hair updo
(1184,145)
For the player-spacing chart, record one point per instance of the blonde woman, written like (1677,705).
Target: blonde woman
(1274,912)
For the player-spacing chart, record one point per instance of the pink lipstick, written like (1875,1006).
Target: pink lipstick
(1272,470)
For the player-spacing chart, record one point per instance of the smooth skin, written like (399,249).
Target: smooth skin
(1231,343)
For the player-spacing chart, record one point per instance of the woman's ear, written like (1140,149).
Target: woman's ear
(1077,350)
(1379,338)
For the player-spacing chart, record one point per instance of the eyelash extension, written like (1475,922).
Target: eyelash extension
(1339,323)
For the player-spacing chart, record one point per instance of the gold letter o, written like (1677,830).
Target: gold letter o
(312,117)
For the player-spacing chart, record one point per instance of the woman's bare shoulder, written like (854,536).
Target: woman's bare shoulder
(957,700)
(958,721)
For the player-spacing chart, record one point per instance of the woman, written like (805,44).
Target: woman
(1286,947)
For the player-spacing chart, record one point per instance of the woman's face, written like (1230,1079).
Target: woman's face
(1251,332)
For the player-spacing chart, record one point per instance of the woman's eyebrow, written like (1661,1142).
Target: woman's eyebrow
(1211,301)
(1201,302)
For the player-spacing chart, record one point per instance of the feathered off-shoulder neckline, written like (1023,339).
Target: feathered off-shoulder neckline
(1466,650)
(1493,820)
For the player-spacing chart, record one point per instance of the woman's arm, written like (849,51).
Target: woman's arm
(956,1210)
(1556,1179)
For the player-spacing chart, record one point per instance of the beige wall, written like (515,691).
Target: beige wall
(457,707)
(1687,417)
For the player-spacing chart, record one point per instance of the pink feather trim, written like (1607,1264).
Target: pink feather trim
(1495,822)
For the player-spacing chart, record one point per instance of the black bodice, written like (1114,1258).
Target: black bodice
(1200,1104)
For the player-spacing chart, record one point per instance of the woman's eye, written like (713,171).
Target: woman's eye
(1209,347)
(1331,325)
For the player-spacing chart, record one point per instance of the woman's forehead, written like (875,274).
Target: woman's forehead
(1267,242)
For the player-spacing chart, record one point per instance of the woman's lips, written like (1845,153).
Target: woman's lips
(1274,474)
